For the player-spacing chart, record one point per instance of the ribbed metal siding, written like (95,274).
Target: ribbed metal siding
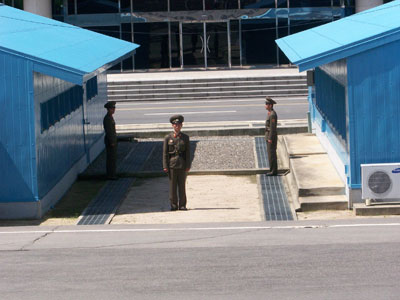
(374,108)
(17,173)
(330,89)
(60,146)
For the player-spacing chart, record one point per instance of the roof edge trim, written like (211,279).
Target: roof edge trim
(107,66)
(35,60)
(349,50)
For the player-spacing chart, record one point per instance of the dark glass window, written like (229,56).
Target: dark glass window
(71,7)
(235,45)
(309,3)
(186,5)
(127,64)
(58,9)
(221,4)
(153,41)
(150,5)
(19,4)
(258,42)
(175,46)
(283,30)
(257,3)
(125,5)
(282,4)
(97,6)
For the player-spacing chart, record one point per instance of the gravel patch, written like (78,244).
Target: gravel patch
(211,153)
(207,153)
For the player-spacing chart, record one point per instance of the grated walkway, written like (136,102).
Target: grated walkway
(106,202)
(275,201)
(101,209)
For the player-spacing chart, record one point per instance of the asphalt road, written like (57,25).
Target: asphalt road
(208,110)
(266,260)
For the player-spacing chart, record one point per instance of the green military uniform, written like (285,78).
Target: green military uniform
(272,135)
(176,159)
(110,141)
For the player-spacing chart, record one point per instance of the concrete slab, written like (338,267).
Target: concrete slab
(378,209)
(326,202)
(316,176)
(209,200)
(303,144)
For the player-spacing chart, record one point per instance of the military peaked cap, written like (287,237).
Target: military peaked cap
(109,104)
(269,100)
(176,119)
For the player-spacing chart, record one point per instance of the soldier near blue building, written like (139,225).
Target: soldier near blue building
(271,136)
(110,141)
(176,162)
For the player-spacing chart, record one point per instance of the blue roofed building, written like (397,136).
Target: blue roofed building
(355,100)
(52,90)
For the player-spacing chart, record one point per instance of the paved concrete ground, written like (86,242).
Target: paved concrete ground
(211,198)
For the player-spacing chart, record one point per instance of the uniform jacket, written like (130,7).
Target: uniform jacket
(176,151)
(109,128)
(270,126)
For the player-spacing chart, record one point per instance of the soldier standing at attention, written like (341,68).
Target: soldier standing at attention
(271,136)
(176,162)
(110,140)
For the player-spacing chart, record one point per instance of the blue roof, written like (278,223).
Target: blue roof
(76,53)
(344,37)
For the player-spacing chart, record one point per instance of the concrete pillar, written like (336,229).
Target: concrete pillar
(367,4)
(39,7)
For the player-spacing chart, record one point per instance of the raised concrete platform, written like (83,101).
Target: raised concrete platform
(376,209)
(313,181)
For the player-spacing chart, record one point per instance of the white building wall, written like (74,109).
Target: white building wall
(39,7)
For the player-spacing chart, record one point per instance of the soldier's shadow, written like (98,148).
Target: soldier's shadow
(149,195)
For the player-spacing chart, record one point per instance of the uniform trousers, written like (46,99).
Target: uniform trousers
(111,160)
(272,158)
(177,182)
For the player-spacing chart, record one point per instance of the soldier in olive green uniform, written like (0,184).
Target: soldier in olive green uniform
(176,162)
(110,140)
(271,136)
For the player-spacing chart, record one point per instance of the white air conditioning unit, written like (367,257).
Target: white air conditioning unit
(380,181)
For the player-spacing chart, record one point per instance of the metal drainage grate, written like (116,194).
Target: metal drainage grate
(262,155)
(106,202)
(276,204)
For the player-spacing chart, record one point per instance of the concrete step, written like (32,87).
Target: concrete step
(326,202)
(208,79)
(134,85)
(313,180)
(207,89)
(179,87)
(208,95)
(376,209)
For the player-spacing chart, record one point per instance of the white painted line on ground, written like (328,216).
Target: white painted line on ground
(192,112)
(200,228)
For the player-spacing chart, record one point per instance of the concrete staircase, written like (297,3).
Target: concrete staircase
(313,181)
(208,88)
